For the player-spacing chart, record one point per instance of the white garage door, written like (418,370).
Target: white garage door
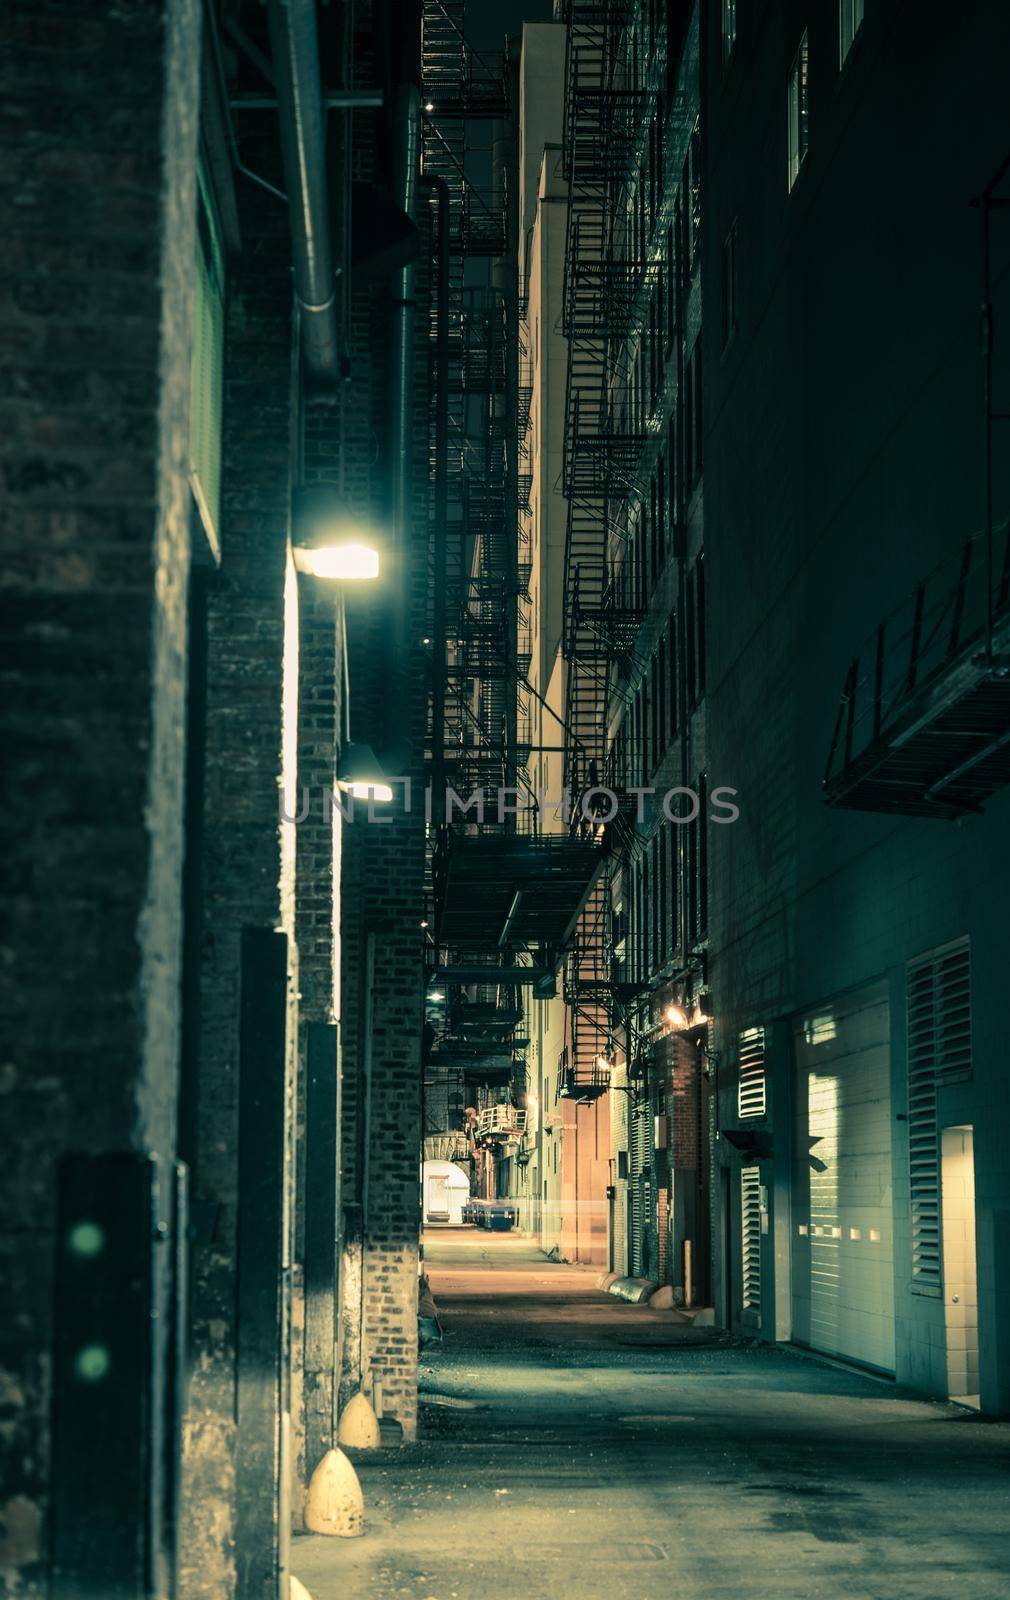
(843,1260)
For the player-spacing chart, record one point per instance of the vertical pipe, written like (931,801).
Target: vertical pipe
(438,640)
(688,1277)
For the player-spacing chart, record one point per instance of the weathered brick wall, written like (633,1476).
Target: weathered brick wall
(244,873)
(320,714)
(96,187)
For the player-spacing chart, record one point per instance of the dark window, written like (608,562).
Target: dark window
(662,509)
(696,189)
(697,450)
(661,713)
(699,600)
(729,294)
(798,112)
(728,29)
(671,656)
(701,823)
(690,642)
(662,887)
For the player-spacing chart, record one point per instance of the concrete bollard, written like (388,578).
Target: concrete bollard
(358,1428)
(334,1503)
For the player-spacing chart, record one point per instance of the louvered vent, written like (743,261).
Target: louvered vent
(750,1237)
(752,1073)
(939,1050)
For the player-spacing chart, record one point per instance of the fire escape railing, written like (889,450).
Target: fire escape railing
(917,648)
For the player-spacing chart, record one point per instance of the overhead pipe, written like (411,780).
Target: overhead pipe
(294,43)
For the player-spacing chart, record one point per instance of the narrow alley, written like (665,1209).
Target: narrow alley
(505,701)
(572,1444)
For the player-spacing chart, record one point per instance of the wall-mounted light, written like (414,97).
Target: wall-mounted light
(327,542)
(677,1017)
(360,775)
(436,996)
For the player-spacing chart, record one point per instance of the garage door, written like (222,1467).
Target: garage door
(843,1266)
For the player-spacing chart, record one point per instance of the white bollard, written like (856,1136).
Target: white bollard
(334,1503)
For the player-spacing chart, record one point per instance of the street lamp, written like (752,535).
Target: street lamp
(360,775)
(326,542)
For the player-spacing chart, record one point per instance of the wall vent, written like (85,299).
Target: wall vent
(939,1051)
(751,1093)
(750,1238)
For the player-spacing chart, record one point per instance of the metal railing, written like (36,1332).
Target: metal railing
(941,623)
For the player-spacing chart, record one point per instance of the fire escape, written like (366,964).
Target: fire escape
(504,901)
(923,725)
(606,436)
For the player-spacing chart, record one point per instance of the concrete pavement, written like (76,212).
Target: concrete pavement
(576,1445)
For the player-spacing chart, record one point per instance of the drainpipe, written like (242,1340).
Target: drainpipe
(438,653)
(294,44)
(406,146)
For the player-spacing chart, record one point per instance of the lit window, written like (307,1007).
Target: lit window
(729,286)
(207,362)
(729,28)
(850,20)
(798,110)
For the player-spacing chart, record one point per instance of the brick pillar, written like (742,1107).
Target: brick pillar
(248,859)
(383,903)
(316,919)
(97,190)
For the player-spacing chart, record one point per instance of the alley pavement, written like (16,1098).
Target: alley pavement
(575,1446)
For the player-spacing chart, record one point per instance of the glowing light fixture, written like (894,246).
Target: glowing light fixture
(360,774)
(677,1017)
(437,995)
(345,562)
(603,1065)
(329,543)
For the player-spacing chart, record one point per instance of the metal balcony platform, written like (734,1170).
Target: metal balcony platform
(923,727)
(495,891)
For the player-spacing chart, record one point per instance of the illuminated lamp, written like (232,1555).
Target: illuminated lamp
(359,774)
(327,542)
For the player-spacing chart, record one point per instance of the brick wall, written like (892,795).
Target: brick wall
(242,850)
(96,185)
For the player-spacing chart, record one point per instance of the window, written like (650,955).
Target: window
(699,601)
(207,362)
(672,682)
(695,189)
(751,1074)
(729,286)
(695,863)
(850,20)
(939,1051)
(798,110)
(728,29)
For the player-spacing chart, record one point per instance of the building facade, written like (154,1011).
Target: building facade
(854,698)
(234,959)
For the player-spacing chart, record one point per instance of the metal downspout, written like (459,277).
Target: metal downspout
(294,43)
